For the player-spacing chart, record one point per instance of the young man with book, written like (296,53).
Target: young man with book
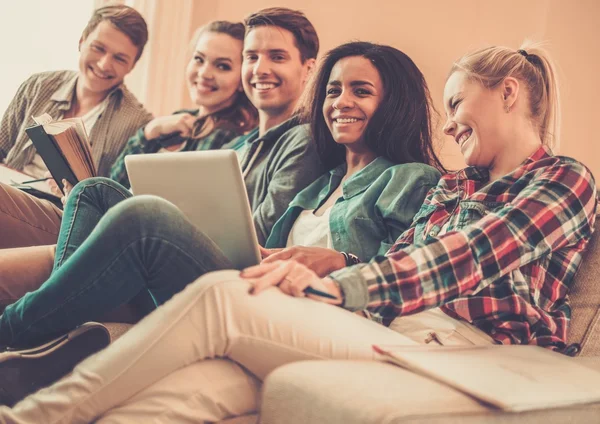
(110,45)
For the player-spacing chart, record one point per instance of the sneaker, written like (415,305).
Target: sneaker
(23,372)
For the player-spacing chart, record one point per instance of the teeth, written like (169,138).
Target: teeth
(346,120)
(98,74)
(464,137)
(264,86)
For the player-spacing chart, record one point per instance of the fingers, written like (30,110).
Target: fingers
(67,187)
(54,187)
(265,253)
(183,129)
(278,255)
(277,274)
(258,271)
(185,125)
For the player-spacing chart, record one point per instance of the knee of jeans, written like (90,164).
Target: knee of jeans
(90,186)
(144,210)
(88,182)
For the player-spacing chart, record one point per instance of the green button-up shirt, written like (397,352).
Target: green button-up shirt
(377,205)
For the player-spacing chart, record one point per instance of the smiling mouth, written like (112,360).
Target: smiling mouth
(205,88)
(100,75)
(341,121)
(463,137)
(264,86)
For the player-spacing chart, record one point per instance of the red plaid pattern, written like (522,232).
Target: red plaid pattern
(499,255)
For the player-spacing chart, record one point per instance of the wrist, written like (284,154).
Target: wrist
(350,259)
(333,287)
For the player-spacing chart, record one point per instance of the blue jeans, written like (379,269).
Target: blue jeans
(112,247)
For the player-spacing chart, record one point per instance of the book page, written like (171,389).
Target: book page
(70,145)
(42,119)
(491,373)
(72,139)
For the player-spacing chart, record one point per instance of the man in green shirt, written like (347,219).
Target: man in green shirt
(278,158)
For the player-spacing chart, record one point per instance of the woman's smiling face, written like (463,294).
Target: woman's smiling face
(214,71)
(354,91)
(474,119)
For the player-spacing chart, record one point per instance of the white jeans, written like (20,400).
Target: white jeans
(212,318)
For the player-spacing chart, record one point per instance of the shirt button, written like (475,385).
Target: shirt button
(432,233)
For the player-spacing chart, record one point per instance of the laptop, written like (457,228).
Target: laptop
(207,186)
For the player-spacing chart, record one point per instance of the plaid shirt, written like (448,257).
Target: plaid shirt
(52,93)
(499,255)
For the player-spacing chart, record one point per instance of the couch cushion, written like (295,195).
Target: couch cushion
(585,302)
(352,392)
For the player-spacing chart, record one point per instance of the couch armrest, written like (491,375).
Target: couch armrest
(352,392)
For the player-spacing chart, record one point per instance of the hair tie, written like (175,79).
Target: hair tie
(531,58)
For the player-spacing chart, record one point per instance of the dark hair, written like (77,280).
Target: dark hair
(241,116)
(400,128)
(305,35)
(126,19)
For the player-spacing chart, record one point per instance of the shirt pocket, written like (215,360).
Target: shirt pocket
(370,233)
(472,211)
(422,224)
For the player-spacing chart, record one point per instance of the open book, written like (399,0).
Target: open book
(512,378)
(64,147)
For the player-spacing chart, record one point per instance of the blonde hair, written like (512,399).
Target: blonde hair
(531,65)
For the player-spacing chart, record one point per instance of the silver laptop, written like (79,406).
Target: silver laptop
(208,188)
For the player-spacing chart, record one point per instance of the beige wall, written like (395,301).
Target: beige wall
(434,33)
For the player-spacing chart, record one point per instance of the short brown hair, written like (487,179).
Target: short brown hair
(125,19)
(305,35)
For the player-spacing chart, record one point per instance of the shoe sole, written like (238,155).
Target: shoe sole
(26,371)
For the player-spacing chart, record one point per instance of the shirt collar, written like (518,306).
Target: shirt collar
(482,174)
(65,93)
(361,180)
(273,134)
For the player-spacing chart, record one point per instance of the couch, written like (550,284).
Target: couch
(352,392)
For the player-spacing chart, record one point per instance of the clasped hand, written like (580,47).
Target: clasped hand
(292,278)
(293,269)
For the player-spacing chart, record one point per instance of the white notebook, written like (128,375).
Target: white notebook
(512,378)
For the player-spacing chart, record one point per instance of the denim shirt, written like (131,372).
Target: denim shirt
(377,204)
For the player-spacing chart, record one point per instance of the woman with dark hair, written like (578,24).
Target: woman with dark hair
(379,149)
(400,128)
(357,210)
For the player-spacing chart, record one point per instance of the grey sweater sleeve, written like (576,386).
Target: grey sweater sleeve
(293,165)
